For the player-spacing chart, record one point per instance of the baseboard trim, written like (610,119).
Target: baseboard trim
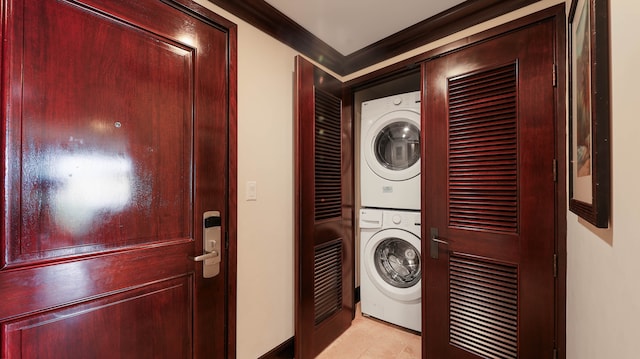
(286,349)
(282,351)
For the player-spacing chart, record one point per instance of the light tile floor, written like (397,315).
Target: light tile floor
(369,338)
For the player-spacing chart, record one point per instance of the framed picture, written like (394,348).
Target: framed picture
(589,111)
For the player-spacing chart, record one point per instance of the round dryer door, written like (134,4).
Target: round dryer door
(393,145)
(392,262)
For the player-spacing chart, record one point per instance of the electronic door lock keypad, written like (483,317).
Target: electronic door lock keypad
(212,221)
(211,239)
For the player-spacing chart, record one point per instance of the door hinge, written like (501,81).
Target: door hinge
(555,265)
(226,240)
(555,170)
(555,75)
(555,353)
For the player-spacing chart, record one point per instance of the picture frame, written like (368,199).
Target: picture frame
(589,111)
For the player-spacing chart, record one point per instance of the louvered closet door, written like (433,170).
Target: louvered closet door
(324,197)
(488,226)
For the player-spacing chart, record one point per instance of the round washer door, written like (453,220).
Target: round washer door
(393,264)
(393,145)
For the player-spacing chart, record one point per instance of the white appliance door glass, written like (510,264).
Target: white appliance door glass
(397,146)
(391,261)
(397,262)
(393,145)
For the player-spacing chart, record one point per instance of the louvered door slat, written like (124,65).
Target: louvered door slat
(496,92)
(505,164)
(473,297)
(480,327)
(327,284)
(506,320)
(497,205)
(479,79)
(479,85)
(489,178)
(460,109)
(483,308)
(481,132)
(483,150)
(326,144)
(483,135)
(479,117)
(328,156)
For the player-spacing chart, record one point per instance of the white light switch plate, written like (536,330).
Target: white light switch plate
(251,193)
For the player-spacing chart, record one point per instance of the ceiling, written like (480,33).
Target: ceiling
(349,35)
(350,25)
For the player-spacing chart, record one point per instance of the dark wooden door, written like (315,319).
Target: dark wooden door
(116,125)
(489,199)
(324,211)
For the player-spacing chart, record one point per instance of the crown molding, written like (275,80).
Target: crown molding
(273,22)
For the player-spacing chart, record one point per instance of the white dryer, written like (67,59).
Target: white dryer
(390,266)
(390,152)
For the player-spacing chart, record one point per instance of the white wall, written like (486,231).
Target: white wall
(603,319)
(603,300)
(265,155)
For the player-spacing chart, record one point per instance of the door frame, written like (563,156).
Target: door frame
(556,14)
(231,270)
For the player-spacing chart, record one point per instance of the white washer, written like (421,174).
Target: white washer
(390,152)
(390,266)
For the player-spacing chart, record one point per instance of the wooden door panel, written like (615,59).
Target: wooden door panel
(105,176)
(79,330)
(490,149)
(34,289)
(117,121)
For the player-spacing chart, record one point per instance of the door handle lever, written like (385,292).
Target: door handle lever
(204,257)
(439,241)
(434,243)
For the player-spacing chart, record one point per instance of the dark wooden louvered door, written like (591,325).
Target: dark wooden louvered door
(324,235)
(489,199)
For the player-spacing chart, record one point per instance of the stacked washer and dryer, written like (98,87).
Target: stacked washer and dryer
(390,260)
